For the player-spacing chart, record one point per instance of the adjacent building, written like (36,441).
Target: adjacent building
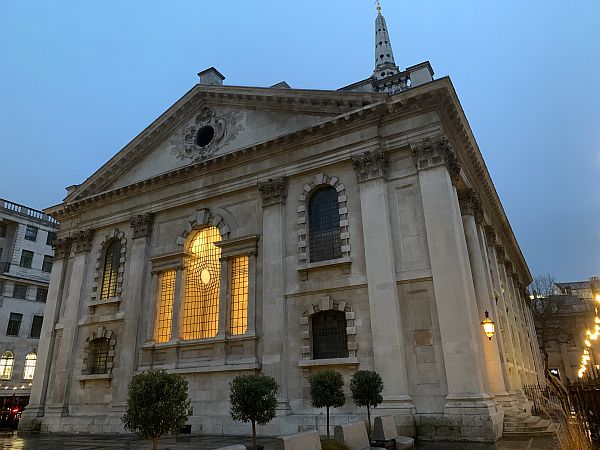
(284,231)
(26,238)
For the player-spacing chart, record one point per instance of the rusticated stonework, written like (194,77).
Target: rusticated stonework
(62,247)
(370,165)
(82,241)
(225,128)
(432,152)
(273,191)
(142,225)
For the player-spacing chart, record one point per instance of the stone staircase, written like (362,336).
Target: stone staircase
(519,423)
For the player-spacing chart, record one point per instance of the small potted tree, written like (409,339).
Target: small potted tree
(366,387)
(253,399)
(158,404)
(327,390)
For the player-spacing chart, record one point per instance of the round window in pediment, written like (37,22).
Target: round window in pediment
(205,136)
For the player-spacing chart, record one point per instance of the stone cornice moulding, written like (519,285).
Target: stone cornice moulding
(244,245)
(169,261)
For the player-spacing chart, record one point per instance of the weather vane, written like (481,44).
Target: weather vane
(378,3)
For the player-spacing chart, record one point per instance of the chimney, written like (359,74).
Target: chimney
(211,76)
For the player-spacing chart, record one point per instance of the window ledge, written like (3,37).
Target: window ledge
(95,376)
(107,301)
(351,361)
(344,262)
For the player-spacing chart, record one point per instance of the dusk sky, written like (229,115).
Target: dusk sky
(79,80)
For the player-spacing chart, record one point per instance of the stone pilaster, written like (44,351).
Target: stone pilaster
(386,321)
(470,205)
(46,348)
(273,193)
(454,290)
(133,303)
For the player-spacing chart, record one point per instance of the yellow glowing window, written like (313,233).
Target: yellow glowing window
(239,295)
(30,361)
(202,286)
(6,365)
(165,306)
(110,270)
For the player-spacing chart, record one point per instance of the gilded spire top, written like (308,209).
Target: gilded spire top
(378,6)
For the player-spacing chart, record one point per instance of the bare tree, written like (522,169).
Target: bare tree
(549,312)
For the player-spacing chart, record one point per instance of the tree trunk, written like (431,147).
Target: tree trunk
(254,435)
(369,423)
(327,422)
(155,442)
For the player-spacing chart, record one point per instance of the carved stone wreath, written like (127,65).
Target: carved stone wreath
(226,127)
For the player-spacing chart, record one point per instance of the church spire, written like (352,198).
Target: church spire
(385,65)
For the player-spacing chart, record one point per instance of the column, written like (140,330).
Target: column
(273,193)
(132,303)
(455,300)
(39,388)
(386,322)
(471,209)
(63,372)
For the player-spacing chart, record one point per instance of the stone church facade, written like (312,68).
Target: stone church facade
(285,231)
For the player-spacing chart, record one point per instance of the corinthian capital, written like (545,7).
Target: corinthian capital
(470,205)
(273,191)
(432,152)
(490,235)
(142,225)
(82,240)
(62,247)
(370,165)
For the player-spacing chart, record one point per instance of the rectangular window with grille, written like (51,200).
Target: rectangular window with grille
(47,264)
(20,291)
(239,295)
(26,259)
(36,326)
(165,307)
(31,233)
(14,324)
(50,238)
(98,356)
(41,295)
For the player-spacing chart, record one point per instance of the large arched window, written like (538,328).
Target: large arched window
(329,339)
(110,270)
(29,370)
(202,285)
(98,355)
(324,240)
(6,365)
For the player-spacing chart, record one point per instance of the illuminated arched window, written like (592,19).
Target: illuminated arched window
(6,365)
(98,355)
(110,270)
(30,361)
(202,285)
(324,241)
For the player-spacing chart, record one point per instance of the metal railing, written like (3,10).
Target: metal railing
(26,211)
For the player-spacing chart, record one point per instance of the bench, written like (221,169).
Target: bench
(353,435)
(307,440)
(385,431)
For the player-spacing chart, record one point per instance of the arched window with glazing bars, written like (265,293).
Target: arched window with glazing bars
(110,270)
(324,241)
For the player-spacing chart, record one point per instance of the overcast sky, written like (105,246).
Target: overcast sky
(79,80)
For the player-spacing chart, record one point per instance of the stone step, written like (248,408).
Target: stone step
(531,420)
(551,431)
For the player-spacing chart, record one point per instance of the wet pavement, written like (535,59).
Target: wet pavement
(25,441)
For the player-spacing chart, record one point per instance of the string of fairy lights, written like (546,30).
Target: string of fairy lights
(589,338)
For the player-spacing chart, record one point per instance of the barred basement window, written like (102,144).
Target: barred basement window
(239,295)
(202,286)
(324,225)
(329,339)
(6,365)
(98,356)
(30,361)
(110,270)
(165,307)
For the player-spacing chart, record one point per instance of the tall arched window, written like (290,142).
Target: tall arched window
(324,225)
(6,365)
(29,370)
(98,355)
(110,270)
(329,339)
(202,285)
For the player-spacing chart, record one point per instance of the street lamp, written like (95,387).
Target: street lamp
(488,326)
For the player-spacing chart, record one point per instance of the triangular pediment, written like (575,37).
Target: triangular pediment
(211,121)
